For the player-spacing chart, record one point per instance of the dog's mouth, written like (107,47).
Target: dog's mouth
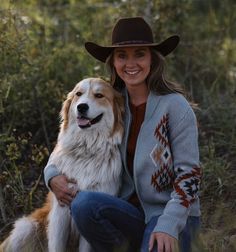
(85,122)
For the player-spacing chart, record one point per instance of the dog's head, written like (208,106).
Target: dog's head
(93,105)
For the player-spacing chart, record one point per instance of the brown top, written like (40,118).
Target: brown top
(138,113)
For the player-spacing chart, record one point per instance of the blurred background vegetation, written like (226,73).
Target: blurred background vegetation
(42,57)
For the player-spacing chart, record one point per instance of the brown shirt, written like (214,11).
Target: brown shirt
(138,113)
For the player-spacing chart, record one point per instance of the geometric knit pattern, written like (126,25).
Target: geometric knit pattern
(162,179)
(187,185)
(162,130)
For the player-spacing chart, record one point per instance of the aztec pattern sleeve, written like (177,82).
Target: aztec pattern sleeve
(183,140)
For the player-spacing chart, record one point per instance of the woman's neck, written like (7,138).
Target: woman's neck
(138,95)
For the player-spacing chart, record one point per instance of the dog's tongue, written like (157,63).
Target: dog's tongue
(83,121)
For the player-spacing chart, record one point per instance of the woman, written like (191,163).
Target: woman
(158,202)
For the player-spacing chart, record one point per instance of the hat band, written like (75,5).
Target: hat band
(130,42)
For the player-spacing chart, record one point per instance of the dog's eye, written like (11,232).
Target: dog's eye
(98,95)
(78,93)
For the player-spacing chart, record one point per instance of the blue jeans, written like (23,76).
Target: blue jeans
(112,224)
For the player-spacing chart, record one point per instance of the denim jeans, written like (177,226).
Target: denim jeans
(112,224)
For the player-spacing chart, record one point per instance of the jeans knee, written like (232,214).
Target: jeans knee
(82,208)
(79,204)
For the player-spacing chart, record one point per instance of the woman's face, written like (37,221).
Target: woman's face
(132,64)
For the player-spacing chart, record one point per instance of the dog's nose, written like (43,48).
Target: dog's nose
(82,108)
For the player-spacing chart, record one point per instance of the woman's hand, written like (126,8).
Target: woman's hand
(63,192)
(166,243)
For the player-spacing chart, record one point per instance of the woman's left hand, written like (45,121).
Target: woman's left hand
(166,243)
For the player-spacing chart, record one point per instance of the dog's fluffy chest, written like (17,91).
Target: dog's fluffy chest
(96,169)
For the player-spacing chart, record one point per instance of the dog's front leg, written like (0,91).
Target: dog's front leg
(58,227)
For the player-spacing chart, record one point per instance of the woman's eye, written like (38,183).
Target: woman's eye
(98,95)
(78,93)
(121,56)
(139,55)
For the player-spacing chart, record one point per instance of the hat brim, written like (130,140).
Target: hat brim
(102,52)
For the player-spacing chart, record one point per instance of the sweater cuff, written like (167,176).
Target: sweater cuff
(170,225)
(50,171)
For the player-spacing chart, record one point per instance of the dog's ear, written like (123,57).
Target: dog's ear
(65,110)
(119,110)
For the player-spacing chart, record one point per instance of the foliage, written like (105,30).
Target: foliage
(42,57)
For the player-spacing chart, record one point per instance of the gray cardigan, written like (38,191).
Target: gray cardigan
(166,173)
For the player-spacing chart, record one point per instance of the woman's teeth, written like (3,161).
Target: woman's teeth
(132,72)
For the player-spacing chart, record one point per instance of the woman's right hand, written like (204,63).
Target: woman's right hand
(60,187)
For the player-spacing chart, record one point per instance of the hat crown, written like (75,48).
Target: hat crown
(131,31)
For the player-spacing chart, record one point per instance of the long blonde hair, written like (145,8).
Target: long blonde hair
(156,80)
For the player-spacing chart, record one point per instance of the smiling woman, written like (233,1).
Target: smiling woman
(132,64)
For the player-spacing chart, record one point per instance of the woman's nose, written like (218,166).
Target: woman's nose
(130,62)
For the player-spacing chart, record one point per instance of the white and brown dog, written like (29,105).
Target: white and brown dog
(87,151)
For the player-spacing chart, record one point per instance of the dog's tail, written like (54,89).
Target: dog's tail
(29,233)
(22,237)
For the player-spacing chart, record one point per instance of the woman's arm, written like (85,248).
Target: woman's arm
(58,184)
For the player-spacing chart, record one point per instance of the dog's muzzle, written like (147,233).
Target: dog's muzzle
(82,119)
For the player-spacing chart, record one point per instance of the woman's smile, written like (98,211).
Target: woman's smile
(132,72)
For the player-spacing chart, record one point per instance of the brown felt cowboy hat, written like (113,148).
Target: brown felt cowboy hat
(128,32)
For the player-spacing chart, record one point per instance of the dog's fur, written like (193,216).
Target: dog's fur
(87,151)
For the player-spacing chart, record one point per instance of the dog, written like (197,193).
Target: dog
(87,151)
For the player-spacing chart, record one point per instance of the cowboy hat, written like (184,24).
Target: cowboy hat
(133,31)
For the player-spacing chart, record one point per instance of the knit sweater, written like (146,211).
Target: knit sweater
(166,170)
